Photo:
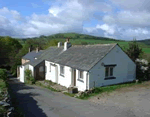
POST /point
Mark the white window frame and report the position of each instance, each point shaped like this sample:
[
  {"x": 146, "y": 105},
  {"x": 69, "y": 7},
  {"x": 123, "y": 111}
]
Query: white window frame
[
  {"x": 62, "y": 74},
  {"x": 80, "y": 75},
  {"x": 109, "y": 72}
]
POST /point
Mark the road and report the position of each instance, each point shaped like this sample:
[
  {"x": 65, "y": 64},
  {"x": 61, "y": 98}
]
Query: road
[{"x": 40, "y": 102}]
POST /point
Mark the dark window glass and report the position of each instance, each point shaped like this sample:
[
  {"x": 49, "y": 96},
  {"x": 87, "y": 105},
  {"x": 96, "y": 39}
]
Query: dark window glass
[
  {"x": 106, "y": 71},
  {"x": 81, "y": 74},
  {"x": 62, "y": 70},
  {"x": 111, "y": 71},
  {"x": 45, "y": 69}
]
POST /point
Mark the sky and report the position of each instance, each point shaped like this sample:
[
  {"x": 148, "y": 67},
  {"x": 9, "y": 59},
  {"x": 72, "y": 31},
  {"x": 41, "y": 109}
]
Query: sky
[{"x": 118, "y": 19}]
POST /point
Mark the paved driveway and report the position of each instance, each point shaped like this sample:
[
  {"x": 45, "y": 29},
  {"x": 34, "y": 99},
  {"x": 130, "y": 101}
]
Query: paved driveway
[{"x": 40, "y": 102}]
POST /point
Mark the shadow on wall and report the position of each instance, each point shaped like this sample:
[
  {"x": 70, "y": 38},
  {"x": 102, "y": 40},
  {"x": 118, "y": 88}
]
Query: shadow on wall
[{"x": 24, "y": 101}]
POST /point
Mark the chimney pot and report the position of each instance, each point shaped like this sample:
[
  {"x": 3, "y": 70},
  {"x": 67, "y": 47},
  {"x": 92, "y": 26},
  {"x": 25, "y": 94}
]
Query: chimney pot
[
  {"x": 59, "y": 44},
  {"x": 37, "y": 50},
  {"x": 29, "y": 49},
  {"x": 67, "y": 40}
]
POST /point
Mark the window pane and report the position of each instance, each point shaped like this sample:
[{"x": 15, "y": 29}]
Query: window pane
[
  {"x": 45, "y": 69},
  {"x": 106, "y": 71},
  {"x": 61, "y": 70},
  {"x": 111, "y": 71},
  {"x": 81, "y": 74},
  {"x": 41, "y": 69}
]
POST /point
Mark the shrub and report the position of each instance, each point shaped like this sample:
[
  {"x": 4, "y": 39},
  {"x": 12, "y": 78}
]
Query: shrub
[
  {"x": 96, "y": 90},
  {"x": 84, "y": 43},
  {"x": 3, "y": 74},
  {"x": 28, "y": 74},
  {"x": 29, "y": 79},
  {"x": 32, "y": 79},
  {"x": 142, "y": 70},
  {"x": 134, "y": 51}
]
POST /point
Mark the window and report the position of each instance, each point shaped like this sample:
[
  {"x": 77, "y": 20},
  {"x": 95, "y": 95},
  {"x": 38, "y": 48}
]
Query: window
[
  {"x": 41, "y": 69},
  {"x": 45, "y": 69},
  {"x": 81, "y": 74},
  {"x": 50, "y": 67},
  {"x": 108, "y": 71},
  {"x": 62, "y": 70}
]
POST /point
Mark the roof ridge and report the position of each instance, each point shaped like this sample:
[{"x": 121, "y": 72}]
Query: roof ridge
[{"x": 94, "y": 45}]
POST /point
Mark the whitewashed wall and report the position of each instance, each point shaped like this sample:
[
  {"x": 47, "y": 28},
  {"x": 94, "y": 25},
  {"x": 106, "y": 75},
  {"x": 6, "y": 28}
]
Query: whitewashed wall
[
  {"x": 22, "y": 74},
  {"x": 81, "y": 83},
  {"x": 68, "y": 76},
  {"x": 124, "y": 71},
  {"x": 66, "y": 79},
  {"x": 32, "y": 69},
  {"x": 52, "y": 75}
]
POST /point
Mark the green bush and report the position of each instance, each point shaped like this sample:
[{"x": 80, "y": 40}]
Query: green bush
[
  {"x": 32, "y": 79},
  {"x": 96, "y": 90},
  {"x": 3, "y": 74},
  {"x": 29, "y": 79},
  {"x": 142, "y": 70}
]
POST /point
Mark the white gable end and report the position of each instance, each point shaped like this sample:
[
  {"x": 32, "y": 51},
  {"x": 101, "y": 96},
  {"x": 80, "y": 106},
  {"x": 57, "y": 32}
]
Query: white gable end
[{"x": 124, "y": 71}]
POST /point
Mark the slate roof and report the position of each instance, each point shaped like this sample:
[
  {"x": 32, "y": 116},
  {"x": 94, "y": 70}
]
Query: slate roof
[
  {"x": 31, "y": 55},
  {"x": 48, "y": 53},
  {"x": 82, "y": 57}
]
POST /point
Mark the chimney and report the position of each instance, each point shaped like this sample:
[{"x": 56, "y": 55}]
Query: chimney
[
  {"x": 67, "y": 40},
  {"x": 59, "y": 44},
  {"x": 37, "y": 49},
  {"x": 67, "y": 44},
  {"x": 29, "y": 49}
]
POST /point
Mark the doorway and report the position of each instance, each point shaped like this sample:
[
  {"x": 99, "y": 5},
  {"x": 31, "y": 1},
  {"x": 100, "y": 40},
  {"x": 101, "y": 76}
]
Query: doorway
[{"x": 74, "y": 77}]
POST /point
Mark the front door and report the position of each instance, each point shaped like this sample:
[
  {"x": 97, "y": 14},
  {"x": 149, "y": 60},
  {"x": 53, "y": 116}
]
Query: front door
[{"x": 74, "y": 77}]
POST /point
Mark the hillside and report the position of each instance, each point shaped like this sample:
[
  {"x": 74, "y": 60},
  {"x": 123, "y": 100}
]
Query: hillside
[
  {"x": 145, "y": 41},
  {"x": 84, "y": 39}
]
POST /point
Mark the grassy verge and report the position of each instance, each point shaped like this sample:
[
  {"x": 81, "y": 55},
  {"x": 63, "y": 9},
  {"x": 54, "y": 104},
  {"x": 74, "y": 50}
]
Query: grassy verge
[
  {"x": 69, "y": 94},
  {"x": 37, "y": 83},
  {"x": 3, "y": 89},
  {"x": 106, "y": 89}
]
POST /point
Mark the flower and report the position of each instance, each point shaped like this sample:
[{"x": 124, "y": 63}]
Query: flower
[
  {"x": 143, "y": 61},
  {"x": 144, "y": 68}
]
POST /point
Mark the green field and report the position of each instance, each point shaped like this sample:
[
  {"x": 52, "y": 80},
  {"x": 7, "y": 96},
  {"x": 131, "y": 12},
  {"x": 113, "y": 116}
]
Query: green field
[
  {"x": 82, "y": 39},
  {"x": 123, "y": 44}
]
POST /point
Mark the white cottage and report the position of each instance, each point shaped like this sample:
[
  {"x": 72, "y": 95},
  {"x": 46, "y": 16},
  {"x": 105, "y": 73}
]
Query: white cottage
[
  {"x": 82, "y": 66},
  {"x": 90, "y": 66}
]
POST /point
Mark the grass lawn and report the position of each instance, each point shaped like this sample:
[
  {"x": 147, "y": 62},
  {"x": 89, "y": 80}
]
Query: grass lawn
[{"x": 106, "y": 89}]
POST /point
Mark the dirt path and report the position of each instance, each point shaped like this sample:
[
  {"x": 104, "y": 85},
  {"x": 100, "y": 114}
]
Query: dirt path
[
  {"x": 136, "y": 98},
  {"x": 40, "y": 102}
]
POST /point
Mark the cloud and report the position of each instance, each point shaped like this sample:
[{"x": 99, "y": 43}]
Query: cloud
[
  {"x": 114, "y": 18},
  {"x": 133, "y": 5},
  {"x": 129, "y": 18},
  {"x": 10, "y": 14},
  {"x": 107, "y": 28},
  {"x": 63, "y": 17}
]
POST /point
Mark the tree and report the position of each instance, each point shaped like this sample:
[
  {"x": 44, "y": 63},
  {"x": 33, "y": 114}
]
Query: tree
[
  {"x": 51, "y": 43},
  {"x": 134, "y": 51}
]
